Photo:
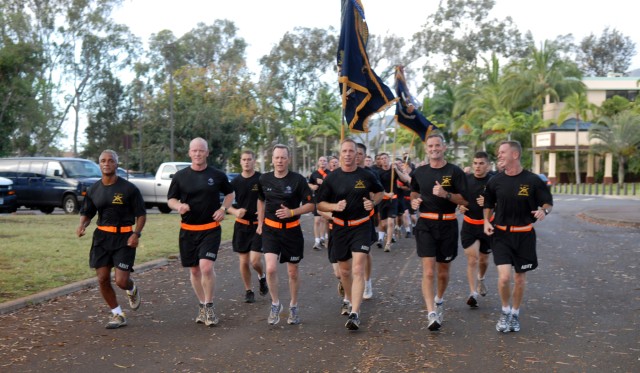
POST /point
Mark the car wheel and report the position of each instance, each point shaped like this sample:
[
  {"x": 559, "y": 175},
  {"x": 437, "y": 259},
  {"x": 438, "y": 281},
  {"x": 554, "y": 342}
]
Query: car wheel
[
  {"x": 70, "y": 204},
  {"x": 165, "y": 209},
  {"x": 47, "y": 209}
]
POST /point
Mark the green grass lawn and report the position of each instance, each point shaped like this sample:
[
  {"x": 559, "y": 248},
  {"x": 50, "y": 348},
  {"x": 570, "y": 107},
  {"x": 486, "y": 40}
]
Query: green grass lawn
[{"x": 40, "y": 252}]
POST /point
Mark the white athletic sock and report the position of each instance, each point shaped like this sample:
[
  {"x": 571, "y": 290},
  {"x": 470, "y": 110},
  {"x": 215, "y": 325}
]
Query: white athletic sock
[
  {"x": 317, "y": 240},
  {"x": 117, "y": 311},
  {"x": 506, "y": 310},
  {"x": 438, "y": 300},
  {"x": 380, "y": 236},
  {"x": 133, "y": 289},
  {"x": 368, "y": 282},
  {"x": 293, "y": 305},
  {"x": 515, "y": 311}
]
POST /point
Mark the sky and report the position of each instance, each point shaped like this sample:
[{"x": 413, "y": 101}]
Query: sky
[{"x": 262, "y": 23}]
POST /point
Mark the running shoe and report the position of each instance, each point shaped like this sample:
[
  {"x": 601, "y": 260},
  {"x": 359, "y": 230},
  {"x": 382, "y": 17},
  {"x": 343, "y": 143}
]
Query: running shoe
[
  {"x": 322, "y": 242},
  {"x": 117, "y": 321},
  {"x": 317, "y": 246},
  {"x": 514, "y": 323},
  {"x": 249, "y": 297},
  {"x": 472, "y": 301},
  {"x": 408, "y": 234},
  {"x": 434, "y": 323},
  {"x": 481, "y": 288},
  {"x": 340, "y": 289},
  {"x": 387, "y": 247},
  {"x": 134, "y": 297},
  {"x": 264, "y": 288},
  {"x": 210, "y": 318},
  {"x": 393, "y": 239},
  {"x": 201, "y": 315},
  {"x": 353, "y": 323},
  {"x": 274, "y": 314},
  {"x": 440, "y": 311},
  {"x": 294, "y": 318},
  {"x": 346, "y": 308},
  {"x": 379, "y": 243},
  {"x": 503, "y": 323},
  {"x": 368, "y": 290}
]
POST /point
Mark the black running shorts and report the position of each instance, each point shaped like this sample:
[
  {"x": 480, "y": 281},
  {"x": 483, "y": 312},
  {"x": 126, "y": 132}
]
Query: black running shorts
[
  {"x": 472, "y": 232},
  {"x": 437, "y": 238},
  {"x": 246, "y": 239},
  {"x": 196, "y": 245},
  {"x": 345, "y": 240},
  {"x": 388, "y": 208},
  {"x": 288, "y": 244},
  {"x": 515, "y": 248},
  {"x": 111, "y": 250}
]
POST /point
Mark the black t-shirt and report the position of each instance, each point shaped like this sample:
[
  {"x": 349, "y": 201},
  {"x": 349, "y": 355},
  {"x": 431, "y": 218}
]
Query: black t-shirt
[
  {"x": 247, "y": 194},
  {"x": 352, "y": 187},
  {"x": 290, "y": 191},
  {"x": 117, "y": 205},
  {"x": 201, "y": 191},
  {"x": 514, "y": 197},
  {"x": 385, "y": 180},
  {"x": 318, "y": 174},
  {"x": 451, "y": 178},
  {"x": 475, "y": 188}
]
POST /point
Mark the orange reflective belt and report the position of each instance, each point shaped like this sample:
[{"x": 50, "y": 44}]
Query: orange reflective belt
[
  {"x": 111, "y": 229},
  {"x": 436, "y": 216},
  {"x": 351, "y": 223},
  {"x": 515, "y": 228},
  {"x": 475, "y": 221},
  {"x": 394, "y": 197},
  {"x": 275, "y": 224},
  {"x": 408, "y": 198},
  {"x": 199, "y": 227},
  {"x": 245, "y": 222}
]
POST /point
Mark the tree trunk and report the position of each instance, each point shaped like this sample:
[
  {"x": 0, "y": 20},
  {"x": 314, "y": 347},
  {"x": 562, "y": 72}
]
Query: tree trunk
[
  {"x": 621, "y": 162},
  {"x": 576, "y": 152}
]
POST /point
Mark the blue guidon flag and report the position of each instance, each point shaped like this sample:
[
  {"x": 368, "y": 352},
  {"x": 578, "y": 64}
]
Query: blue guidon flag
[
  {"x": 363, "y": 93},
  {"x": 407, "y": 113}
]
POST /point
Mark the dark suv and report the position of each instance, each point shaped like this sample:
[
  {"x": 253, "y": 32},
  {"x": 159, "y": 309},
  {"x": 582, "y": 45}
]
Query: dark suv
[{"x": 45, "y": 183}]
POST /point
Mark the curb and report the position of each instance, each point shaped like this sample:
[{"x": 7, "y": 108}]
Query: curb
[
  {"x": 46, "y": 295},
  {"x": 611, "y": 222}
]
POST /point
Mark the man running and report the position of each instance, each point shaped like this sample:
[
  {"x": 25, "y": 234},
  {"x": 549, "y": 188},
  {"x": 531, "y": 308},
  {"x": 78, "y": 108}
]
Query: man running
[
  {"x": 519, "y": 198},
  {"x": 119, "y": 206},
  {"x": 195, "y": 193},
  {"x": 283, "y": 196},
  {"x": 436, "y": 190},
  {"x": 350, "y": 193},
  {"x": 320, "y": 224},
  {"x": 246, "y": 242},
  {"x": 475, "y": 242}
]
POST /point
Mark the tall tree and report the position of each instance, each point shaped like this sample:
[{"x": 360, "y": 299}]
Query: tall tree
[
  {"x": 579, "y": 106},
  {"x": 610, "y": 53},
  {"x": 459, "y": 33},
  {"x": 294, "y": 69},
  {"x": 618, "y": 135}
]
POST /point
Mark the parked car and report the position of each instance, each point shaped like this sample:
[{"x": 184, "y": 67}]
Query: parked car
[
  {"x": 121, "y": 172},
  {"x": 45, "y": 183},
  {"x": 7, "y": 196},
  {"x": 154, "y": 190}
]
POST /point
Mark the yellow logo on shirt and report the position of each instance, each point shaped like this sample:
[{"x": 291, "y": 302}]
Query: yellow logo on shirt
[
  {"x": 446, "y": 181},
  {"x": 118, "y": 199},
  {"x": 254, "y": 188},
  {"x": 524, "y": 191},
  {"x": 360, "y": 185}
]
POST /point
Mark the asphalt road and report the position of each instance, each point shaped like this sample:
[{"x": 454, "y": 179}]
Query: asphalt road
[{"x": 580, "y": 314}]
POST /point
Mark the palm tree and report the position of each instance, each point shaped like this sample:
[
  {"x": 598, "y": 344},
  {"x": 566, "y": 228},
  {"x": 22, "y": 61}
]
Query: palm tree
[
  {"x": 579, "y": 106},
  {"x": 618, "y": 135},
  {"x": 542, "y": 77}
]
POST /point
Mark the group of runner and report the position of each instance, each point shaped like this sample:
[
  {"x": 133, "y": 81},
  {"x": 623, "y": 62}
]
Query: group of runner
[{"x": 358, "y": 205}]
